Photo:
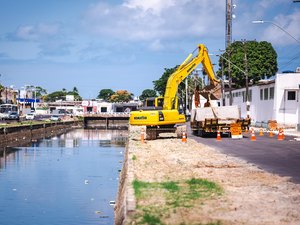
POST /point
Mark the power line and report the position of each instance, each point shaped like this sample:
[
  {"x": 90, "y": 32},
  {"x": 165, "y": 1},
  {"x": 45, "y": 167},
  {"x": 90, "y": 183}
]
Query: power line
[{"x": 289, "y": 62}]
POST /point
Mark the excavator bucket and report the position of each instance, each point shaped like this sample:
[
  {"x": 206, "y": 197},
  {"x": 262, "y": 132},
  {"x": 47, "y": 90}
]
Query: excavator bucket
[{"x": 211, "y": 92}]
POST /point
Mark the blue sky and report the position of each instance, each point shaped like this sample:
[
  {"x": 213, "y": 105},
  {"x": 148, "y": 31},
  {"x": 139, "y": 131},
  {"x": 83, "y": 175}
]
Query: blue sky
[{"x": 126, "y": 44}]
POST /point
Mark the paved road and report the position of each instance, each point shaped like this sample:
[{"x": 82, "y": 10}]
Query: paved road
[{"x": 280, "y": 157}]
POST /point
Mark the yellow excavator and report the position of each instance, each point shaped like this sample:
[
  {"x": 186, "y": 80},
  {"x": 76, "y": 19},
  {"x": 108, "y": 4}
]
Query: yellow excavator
[{"x": 167, "y": 118}]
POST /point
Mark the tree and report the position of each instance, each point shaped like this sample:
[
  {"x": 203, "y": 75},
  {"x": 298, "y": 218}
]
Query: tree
[
  {"x": 61, "y": 95},
  {"x": 1, "y": 89},
  {"x": 161, "y": 83},
  {"x": 261, "y": 61},
  {"x": 105, "y": 94},
  {"x": 40, "y": 92},
  {"x": 54, "y": 96},
  {"x": 75, "y": 92},
  {"x": 121, "y": 96},
  {"x": 193, "y": 81},
  {"x": 147, "y": 93}
]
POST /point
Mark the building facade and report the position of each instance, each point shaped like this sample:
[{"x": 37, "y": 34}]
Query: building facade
[{"x": 275, "y": 99}]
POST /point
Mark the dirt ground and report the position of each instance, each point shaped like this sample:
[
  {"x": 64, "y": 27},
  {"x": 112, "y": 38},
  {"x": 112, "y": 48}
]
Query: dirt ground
[{"x": 250, "y": 195}]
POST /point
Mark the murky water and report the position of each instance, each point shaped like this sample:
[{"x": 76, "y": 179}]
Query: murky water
[{"x": 66, "y": 180}]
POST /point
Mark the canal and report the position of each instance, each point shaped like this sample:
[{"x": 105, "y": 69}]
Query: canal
[{"x": 65, "y": 180}]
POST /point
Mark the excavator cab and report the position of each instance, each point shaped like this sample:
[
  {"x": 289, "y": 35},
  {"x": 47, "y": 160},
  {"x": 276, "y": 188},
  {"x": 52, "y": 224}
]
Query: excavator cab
[{"x": 157, "y": 103}]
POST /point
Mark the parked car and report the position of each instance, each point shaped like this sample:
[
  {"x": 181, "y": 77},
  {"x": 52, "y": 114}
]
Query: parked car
[
  {"x": 55, "y": 118},
  {"x": 29, "y": 116},
  {"x": 13, "y": 116}
]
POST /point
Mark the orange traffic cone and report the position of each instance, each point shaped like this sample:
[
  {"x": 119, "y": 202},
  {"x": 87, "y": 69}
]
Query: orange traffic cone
[
  {"x": 280, "y": 135},
  {"x": 143, "y": 135},
  {"x": 218, "y": 136},
  {"x": 253, "y": 138},
  {"x": 183, "y": 137},
  {"x": 271, "y": 133},
  {"x": 261, "y": 133},
  {"x": 246, "y": 131}
]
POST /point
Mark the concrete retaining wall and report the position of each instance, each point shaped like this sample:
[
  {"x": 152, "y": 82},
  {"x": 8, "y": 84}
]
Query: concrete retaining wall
[
  {"x": 24, "y": 134},
  {"x": 126, "y": 202}
]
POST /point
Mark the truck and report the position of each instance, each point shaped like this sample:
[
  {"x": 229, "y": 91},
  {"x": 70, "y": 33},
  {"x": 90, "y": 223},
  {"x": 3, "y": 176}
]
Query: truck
[
  {"x": 224, "y": 119},
  {"x": 165, "y": 116}
]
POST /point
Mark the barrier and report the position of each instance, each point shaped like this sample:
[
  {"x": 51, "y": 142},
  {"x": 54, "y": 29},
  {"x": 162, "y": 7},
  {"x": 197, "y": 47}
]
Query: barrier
[
  {"x": 280, "y": 135},
  {"x": 184, "y": 139},
  {"x": 218, "y": 136},
  {"x": 253, "y": 138}
]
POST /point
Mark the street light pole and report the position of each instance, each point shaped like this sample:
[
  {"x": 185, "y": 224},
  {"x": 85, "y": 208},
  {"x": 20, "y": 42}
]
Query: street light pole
[{"x": 265, "y": 21}]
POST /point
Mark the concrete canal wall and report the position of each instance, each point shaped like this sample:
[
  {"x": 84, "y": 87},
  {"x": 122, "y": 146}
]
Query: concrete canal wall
[
  {"x": 21, "y": 135},
  {"x": 126, "y": 202}
]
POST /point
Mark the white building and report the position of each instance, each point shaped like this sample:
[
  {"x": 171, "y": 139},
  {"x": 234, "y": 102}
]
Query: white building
[{"x": 276, "y": 99}]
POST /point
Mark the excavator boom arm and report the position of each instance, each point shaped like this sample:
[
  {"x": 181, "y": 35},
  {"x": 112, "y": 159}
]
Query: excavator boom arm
[{"x": 184, "y": 70}]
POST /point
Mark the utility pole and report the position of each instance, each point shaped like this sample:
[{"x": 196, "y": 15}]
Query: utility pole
[
  {"x": 223, "y": 85},
  {"x": 228, "y": 18},
  {"x": 246, "y": 78},
  {"x": 228, "y": 38}
]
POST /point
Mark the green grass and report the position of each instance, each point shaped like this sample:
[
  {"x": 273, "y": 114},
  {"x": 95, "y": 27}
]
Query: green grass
[
  {"x": 150, "y": 219},
  {"x": 134, "y": 157},
  {"x": 171, "y": 195},
  {"x": 170, "y": 186}
]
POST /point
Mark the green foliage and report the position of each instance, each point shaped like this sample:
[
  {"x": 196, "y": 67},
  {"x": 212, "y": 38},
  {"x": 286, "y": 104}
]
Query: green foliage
[
  {"x": 261, "y": 61},
  {"x": 1, "y": 89},
  {"x": 134, "y": 157},
  {"x": 54, "y": 96},
  {"x": 40, "y": 92},
  {"x": 147, "y": 93},
  {"x": 193, "y": 81},
  {"x": 61, "y": 95},
  {"x": 161, "y": 83},
  {"x": 121, "y": 96},
  {"x": 77, "y": 97},
  {"x": 105, "y": 94}
]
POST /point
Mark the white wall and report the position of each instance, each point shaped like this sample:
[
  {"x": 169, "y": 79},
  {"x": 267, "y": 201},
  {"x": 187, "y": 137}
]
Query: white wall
[{"x": 287, "y": 110}]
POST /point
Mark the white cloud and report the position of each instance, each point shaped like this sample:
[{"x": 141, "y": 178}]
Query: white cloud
[
  {"x": 137, "y": 20},
  {"x": 36, "y": 32},
  {"x": 286, "y": 32},
  {"x": 156, "y": 6}
]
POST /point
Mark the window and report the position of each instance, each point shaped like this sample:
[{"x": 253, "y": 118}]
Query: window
[
  {"x": 266, "y": 93},
  {"x": 291, "y": 95},
  {"x": 261, "y": 94},
  {"x": 103, "y": 109},
  {"x": 271, "y": 92}
]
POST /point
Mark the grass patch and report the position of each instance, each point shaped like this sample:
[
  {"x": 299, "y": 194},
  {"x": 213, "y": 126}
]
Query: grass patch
[
  {"x": 156, "y": 201},
  {"x": 150, "y": 219},
  {"x": 134, "y": 157},
  {"x": 170, "y": 186}
]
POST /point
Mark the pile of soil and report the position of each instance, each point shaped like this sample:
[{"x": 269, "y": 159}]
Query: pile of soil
[{"x": 250, "y": 195}]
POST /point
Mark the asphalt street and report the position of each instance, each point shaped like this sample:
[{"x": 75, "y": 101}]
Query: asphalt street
[{"x": 269, "y": 154}]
